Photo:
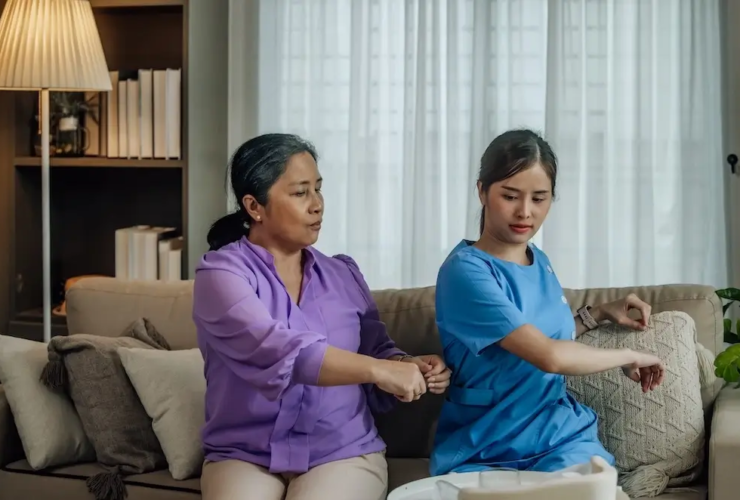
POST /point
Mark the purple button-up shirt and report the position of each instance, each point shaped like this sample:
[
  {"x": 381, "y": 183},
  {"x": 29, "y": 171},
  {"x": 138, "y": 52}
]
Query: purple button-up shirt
[{"x": 263, "y": 354}]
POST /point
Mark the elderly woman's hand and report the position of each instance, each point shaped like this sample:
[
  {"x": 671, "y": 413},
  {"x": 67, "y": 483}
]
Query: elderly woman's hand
[{"x": 435, "y": 372}]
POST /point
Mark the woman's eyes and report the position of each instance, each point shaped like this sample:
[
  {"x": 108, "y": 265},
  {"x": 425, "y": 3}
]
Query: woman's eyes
[
  {"x": 511, "y": 198},
  {"x": 303, "y": 193}
]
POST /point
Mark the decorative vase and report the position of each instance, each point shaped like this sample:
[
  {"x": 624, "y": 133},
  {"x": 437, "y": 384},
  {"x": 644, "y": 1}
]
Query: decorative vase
[{"x": 71, "y": 138}]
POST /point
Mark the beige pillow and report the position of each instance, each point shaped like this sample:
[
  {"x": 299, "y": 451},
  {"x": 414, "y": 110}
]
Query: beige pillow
[
  {"x": 171, "y": 386},
  {"x": 48, "y": 425},
  {"x": 657, "y": 438}
]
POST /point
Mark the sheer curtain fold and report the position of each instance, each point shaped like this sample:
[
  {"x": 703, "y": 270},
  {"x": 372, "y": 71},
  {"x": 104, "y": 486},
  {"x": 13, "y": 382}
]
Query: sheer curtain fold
[{"x": 402, "y": 97}]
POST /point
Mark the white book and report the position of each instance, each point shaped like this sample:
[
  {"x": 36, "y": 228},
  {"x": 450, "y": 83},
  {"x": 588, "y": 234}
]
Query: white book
[
  {"x": 159, "y": 93},
  {"x": 133, "y": 119},
  {"x": 122, "y": 120},
  {"x": 146, "y": 125},
  {"x": 173, "y": 112},
  {"x": 174, "y": 265},
  {"x": 112, "y": 117},
  {"x": 146, "y": 251},
  {"x": 170, "y": 259},
  {"x": 122, "y": 249}
]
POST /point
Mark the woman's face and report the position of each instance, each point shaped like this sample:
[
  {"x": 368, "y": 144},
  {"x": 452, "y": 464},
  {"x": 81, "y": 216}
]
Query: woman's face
[
  {"x": 516, "y": 207},
  {"x": 295, "y": 205}
]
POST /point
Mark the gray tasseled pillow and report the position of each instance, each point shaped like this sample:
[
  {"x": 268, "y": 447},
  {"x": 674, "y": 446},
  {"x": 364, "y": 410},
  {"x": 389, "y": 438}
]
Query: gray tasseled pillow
[{"x": 89, "y": 369}]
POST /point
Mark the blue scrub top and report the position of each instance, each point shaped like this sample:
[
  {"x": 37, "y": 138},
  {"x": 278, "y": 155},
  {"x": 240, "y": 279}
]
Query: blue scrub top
[{"x": 501, "y": 411}]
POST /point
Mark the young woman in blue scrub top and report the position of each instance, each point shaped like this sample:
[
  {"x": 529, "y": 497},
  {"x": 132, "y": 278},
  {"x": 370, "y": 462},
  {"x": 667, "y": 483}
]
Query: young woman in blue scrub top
[{"x": 508, "y": 332}]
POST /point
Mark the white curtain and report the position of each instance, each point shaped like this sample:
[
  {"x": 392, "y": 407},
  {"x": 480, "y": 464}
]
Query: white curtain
[{"x": 402, "y": 97}]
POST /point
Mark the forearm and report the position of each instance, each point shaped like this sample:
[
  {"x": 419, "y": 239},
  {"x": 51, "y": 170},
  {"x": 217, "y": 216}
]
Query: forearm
[
  {"x": 341, "y": 367},
  {"x": 573, "y": 358},
  {"x": 563, "y": 356}
]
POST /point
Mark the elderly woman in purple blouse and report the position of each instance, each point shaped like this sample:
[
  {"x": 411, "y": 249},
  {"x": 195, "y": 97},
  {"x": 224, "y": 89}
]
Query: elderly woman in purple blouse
[{"x": 296, "y": 356}]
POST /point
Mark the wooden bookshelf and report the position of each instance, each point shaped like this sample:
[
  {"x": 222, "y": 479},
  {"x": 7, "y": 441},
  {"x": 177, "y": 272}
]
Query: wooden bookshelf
[
  {"x": 87, "y": 162},
  {"x": 90, "y": 196}
]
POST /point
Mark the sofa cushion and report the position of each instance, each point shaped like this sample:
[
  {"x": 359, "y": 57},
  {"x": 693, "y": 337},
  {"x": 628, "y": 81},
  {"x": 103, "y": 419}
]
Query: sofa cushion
[
  {"x": 405, "y": 470},
  {"x": 106, "y": 306},
  {"x": 63, "y": 483},
  {"x": 657, "y": 438},
  {"x": 50, "y": 430},
  {"x": 109, "y": 408},
  {"x": 11, "y": 448},
  {"x": 409, "y": 428},
  {"x": 171, "y": 386}
]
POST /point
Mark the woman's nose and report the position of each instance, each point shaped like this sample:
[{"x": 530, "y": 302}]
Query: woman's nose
[
  {"x": 524, "y": 211},
  {"x": 317, "y": 206}
]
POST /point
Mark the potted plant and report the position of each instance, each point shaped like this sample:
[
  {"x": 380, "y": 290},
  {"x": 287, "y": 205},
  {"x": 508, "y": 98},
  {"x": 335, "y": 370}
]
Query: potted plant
[
  {"x": 727, "y": 363},
  {"x": 68, "y": 108}
]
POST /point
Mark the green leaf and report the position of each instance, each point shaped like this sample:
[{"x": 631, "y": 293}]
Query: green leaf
[
  {"x": 726, "y": 307},
  {"x": 729, "y": 293},
  {"x": 728, "y": 325},
  {"x": 727, "y": 364},
  {"x": 730, "y": 338},
  {"x": 731, "y": 374}
]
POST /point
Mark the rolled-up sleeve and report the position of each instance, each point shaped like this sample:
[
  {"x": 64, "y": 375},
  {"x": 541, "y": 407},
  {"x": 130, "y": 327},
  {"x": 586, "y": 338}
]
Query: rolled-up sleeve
[
  {"x": 233, "y": 323},
  {"x": 374, "y": 339},
  {"x": 472, "y": 306}
]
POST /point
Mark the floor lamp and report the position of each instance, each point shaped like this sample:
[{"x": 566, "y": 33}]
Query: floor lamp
[{"x": 50, "y": 45}]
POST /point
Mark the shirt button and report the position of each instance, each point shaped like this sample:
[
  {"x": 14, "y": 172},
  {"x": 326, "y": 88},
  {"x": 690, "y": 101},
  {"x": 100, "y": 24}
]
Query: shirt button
[
  {"x": 549, "y": 269},
  {"x": 565, "y": 301}
]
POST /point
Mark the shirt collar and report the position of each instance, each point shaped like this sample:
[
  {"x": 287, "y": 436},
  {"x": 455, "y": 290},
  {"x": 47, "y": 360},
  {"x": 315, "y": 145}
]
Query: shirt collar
[{"x": 261, "y": 252}]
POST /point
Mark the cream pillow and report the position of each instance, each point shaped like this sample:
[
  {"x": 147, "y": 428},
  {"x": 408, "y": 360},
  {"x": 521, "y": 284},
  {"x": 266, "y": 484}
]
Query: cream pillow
[
  {"x": 657, "y": 438},
  {"x": 171, "y": 386},
  {"x": 48, "y": 425}
]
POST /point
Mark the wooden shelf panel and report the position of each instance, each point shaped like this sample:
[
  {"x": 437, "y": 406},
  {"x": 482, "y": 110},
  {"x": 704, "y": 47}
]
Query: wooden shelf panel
[
  {"x": 135, "y": 3},
  {"x": 93, "y": 161},
  {"x": 86, "y": 208},
  {"x": 37, "y": 316}
]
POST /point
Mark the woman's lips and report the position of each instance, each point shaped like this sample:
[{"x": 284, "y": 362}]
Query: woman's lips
[{"x": 520, "y": 229}]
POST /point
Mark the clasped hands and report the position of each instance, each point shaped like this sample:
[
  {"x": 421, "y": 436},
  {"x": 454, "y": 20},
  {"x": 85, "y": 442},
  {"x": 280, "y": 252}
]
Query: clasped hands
[
  {"x": 646, "y": 369},
  {"x": 411, "y": 377}
]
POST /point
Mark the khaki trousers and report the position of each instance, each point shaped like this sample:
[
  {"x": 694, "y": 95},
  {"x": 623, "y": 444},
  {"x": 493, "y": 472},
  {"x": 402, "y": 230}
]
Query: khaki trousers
[{"x": 360, "y": 478}]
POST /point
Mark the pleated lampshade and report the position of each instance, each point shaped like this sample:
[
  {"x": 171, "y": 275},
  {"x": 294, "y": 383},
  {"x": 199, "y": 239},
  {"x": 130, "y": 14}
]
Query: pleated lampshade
[{"x": 51, "y": 44}]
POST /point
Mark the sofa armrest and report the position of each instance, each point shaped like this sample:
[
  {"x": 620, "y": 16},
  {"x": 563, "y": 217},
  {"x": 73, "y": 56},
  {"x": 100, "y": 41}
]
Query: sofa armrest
[
  {"x": 724, "y": 445},
  {"x": 11, "y": 449}
]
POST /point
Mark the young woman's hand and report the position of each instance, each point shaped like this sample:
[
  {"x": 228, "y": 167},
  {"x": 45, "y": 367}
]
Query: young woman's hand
[
  {"x": 646, "y": 369},
  {"x": 403, "y": 380},
  {"x": 435, "y": 372},
  {"x": 616, "y": 312}
]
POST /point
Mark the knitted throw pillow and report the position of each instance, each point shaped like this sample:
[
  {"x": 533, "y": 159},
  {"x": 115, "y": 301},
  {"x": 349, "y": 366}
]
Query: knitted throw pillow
[
  {"x": 657, "y": 438},
  {"x": 89, "y": 368}
]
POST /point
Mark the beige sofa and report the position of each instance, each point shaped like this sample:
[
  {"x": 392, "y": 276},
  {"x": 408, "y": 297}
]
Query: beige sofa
[{"x": 105, "y": 306}]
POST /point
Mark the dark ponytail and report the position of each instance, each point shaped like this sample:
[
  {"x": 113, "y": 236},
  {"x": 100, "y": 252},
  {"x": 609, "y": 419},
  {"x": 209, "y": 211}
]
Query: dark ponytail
[
  {"x": 227, "y": 229},
  {"x": 510, "y": 153},
  {"x": 255, "y": 166}
]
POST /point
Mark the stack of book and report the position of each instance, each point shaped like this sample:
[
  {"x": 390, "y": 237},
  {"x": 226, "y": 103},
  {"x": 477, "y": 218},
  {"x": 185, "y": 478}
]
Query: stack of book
[
  {"x": 149, "y": 253},
  {"x": 140, "y": 118}
]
